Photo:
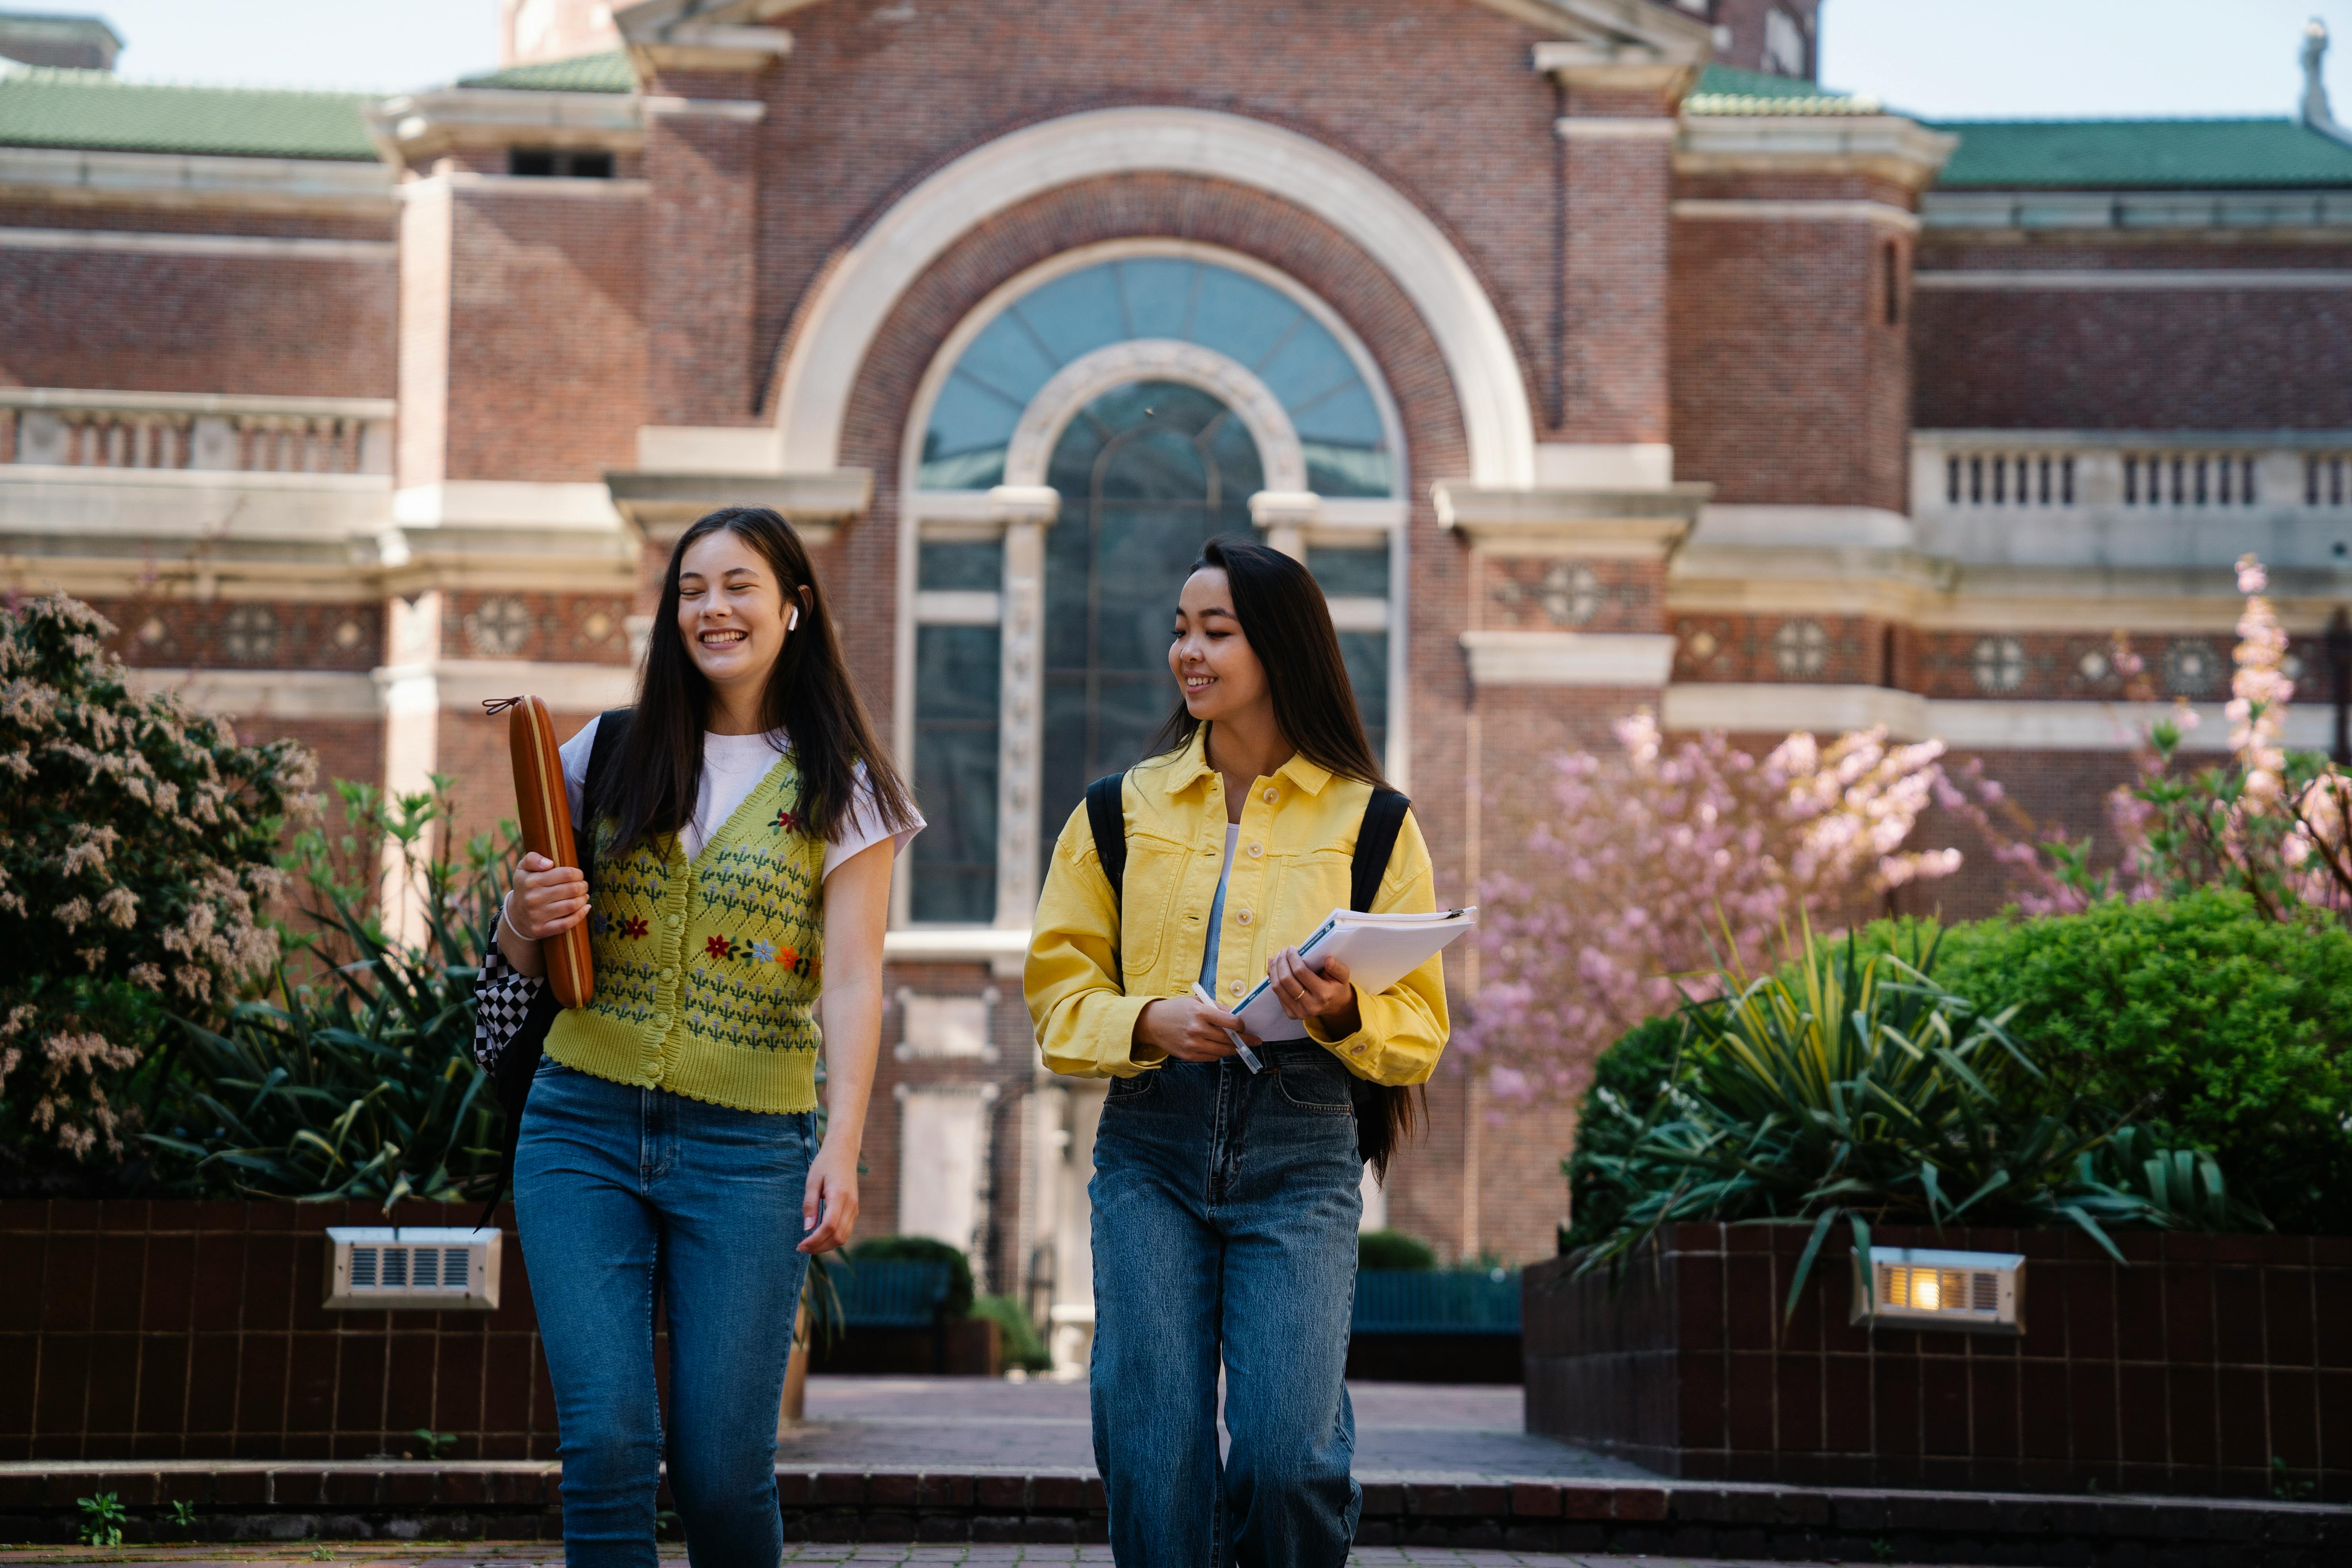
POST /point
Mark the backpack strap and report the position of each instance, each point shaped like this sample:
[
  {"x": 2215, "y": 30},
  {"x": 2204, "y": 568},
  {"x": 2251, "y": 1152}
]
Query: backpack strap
[
  {"x": 611, "y": 729},
  {"x": 1375, "y": 843},
  {"x": 1107, "y": 815}
]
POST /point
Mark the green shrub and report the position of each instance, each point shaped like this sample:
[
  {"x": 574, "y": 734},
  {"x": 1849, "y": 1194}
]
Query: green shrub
[
  {"x": 136, "y": 846},
  {"x": 923, "y": 1249},
  {"x": 1393, "y": 1249},
  {"x": 1017, "y": 1337},
  {"x": 1848, "y": 1085},
  {"x": 361, "y": 1083},
  {"x": 1626, "y": 1082},
  {"x": 2215, "y": 1028}
]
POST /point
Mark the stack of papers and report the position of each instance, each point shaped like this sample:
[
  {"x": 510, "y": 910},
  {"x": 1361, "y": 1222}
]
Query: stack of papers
[{"x": 1379, "y": 950}]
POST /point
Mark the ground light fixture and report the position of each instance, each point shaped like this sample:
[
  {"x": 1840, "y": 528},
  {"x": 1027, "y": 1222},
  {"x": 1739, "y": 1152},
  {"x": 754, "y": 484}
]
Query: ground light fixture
[
  {"x": 411, "y": 1269},
  {"x": 1923, "y": 1287}
]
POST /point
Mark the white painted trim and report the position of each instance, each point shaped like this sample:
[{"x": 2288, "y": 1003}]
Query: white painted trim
[
  {"x": 1569, "y": 659},
  {"x": 2135, "y": 279},
  {"x": 194, "y": 403},
  {"x": 1966, "y": 724},
  {"x": 1820, "y": 527},
  {"x": 505, "y": 503},
  {"x": 1363, "y": 514},
  {"x": 345, "y": 187},
  {"x": 1359, "y": 614},
  {"x": 474, "y": 183},
  {"x": 265, "y": 693},
  {"x": 859, "y": 293},
  {"x": 1615, "y": 128},
  {"x": 463, "y": 685},
  {"x": 274, "y": 247},
  {"x": 1884, "y": 213},
  {"x": 1031, "y": 450},
  {"x": 959, "y": 607},
  {"x": 741, "y": 111},
  {"x": 945, "y": 943}
]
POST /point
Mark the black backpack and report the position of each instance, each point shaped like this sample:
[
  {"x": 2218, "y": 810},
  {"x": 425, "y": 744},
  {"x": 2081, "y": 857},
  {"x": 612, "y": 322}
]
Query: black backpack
[{"x": 1376, "y": 1104}]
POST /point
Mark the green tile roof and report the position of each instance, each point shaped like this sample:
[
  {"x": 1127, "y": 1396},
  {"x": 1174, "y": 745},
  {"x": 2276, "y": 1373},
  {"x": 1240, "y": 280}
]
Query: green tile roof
[
  {"x": 99, "y": 110},
  {"x": 2112, "y": 155},
  {"x": 606, "y": 72},
  {"x": 1722, "y": 90}
]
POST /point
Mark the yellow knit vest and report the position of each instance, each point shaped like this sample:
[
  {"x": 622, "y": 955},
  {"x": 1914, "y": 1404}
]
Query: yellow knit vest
[{"x": 708, "y": 970}]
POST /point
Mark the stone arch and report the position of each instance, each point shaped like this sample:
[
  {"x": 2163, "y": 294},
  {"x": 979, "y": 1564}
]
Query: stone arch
[{"x": 846, "y": 321}]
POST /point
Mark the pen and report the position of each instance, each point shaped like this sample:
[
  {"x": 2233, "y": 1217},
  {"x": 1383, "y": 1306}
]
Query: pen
[{"x": 1249, "y": 1056}]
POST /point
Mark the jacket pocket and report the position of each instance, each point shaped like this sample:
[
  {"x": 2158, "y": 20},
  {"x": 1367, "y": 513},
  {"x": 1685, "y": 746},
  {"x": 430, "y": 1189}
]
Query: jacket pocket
[{"x": 1155, "y": 871}]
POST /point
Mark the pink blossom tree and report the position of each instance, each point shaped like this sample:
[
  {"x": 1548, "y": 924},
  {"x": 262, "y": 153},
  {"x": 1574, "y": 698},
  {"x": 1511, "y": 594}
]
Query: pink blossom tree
[{"x": 1642, "y": 872}]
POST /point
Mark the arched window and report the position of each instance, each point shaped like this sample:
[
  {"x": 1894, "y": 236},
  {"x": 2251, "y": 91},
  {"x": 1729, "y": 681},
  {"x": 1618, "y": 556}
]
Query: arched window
[{"x": 1174, "y": 298}]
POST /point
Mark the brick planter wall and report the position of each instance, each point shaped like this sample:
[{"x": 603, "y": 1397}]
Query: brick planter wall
[
  {"x": 166, "y": 1330},
  {"x": 2191, "y": 1371}
]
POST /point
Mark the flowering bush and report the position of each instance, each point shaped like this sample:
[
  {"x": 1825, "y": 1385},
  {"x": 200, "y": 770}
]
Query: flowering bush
[
  {"x": 1673, "y": 857},
  {"x": 135, "y": 863}
]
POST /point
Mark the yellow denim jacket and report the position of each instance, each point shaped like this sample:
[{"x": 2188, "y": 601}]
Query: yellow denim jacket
[{"x": 1291, "y": 869}]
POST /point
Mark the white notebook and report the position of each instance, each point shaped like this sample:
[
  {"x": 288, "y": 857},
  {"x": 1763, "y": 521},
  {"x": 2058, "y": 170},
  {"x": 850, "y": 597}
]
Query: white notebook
[{"x": 1379, "y": 950}]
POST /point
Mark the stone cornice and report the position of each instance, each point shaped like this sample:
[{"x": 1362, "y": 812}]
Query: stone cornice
[
  {"x": 1569, "y": 659},
  {"x": 817, "y": 504},
  {"x": 1886, "y": 146},
  {"x": 69, "y": 177},
  {"x": 1632, "y": 524},
  {"x": 417, "y": 125},
  {"x": 703, "y": 35}
]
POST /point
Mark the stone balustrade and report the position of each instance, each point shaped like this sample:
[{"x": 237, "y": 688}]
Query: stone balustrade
[{"x": 58, "y": 427}]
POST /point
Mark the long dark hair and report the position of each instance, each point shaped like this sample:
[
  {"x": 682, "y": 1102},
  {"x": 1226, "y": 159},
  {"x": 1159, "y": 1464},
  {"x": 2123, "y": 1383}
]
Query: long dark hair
[
  {"x": 658, "y": 772},
  {"x": 1288, "y": 625},
  {"x": 1282, "y": 612}
]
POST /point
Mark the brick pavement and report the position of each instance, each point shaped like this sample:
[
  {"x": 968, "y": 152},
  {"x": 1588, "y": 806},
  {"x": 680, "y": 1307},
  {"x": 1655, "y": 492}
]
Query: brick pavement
[
  {"x": 433, "y": 1554},
  {"x": 1425, "y": 1431}
]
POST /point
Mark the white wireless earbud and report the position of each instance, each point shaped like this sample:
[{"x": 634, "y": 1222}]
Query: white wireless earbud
[{"x": 793, "y": 621}]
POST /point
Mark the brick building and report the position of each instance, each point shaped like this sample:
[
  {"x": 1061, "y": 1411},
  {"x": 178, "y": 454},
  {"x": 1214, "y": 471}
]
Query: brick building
[{"x": 1590, "y": 352}]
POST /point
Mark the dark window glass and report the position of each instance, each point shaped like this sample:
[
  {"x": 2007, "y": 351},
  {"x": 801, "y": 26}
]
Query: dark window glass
[
  {"x": 1351, "y": 573},
  {"x": 592, "y": 165},
  {"x": 954, "y": 874},
  {"x": 530, "y": 161},
  {"x": 1147, "y": 473},
  {"x": 1366, "y": 657},
  {"x": 960, "y": 563},
  {"x": 546, "y": 162}
]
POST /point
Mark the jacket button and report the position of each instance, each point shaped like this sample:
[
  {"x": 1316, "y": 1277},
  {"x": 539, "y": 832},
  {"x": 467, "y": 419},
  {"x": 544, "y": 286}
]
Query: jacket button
[
  {"x": 1355, "y": 1050},
  {"x": 1272, "y": 794},
  {"x": 1236, "y": 987},
  {"x": 1257, "y": 850},
  {"x": 1244, "y": 916}
]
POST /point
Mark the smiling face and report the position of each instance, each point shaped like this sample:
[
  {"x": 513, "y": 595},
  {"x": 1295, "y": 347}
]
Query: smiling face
[
  {"x": 732, "y": 609},
  {"x": 1211, "y": 660}
]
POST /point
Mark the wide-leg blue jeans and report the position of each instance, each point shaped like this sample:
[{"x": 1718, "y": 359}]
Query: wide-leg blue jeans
[
  {"x": 1225, "y": 1207},
  {"x": 625, "y": 1196}
]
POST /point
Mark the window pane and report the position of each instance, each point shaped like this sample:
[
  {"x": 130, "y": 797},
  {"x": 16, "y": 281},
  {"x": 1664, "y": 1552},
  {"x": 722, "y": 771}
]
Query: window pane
[
  {"x": 1366, "y": 657},
  {"x": 954, "y": 872},
  {"x": 960, "y": 563},
  {"x": 1350, "y": 573}
]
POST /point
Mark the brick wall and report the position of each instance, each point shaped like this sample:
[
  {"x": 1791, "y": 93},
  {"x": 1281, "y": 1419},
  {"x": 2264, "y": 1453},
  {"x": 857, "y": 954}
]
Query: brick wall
[
  {"x": 1789, "y": 384},
  {"x": 289, "y": 326},
  {"x": 2202, "y": 359},
  {"x": 1437, "y": 96}
]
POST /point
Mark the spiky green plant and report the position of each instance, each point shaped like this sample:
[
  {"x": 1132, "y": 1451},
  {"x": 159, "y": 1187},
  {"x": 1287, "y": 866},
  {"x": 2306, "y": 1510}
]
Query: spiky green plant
[
  {"x": 358, "y": 1082},
  {"x": 1848, "y": 1085}
]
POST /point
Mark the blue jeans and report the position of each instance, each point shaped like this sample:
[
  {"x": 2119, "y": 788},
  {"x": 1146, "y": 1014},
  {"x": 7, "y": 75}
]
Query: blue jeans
[
  {"x": 625, "y": 1195},
  {"x": 1225, "y": 1207}
]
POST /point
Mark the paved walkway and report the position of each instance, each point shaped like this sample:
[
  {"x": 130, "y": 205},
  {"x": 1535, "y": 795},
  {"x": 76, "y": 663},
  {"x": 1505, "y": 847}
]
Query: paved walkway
[
  {"x": 423, "y": 1554},
  {"x": 1427, "y": 1431}
]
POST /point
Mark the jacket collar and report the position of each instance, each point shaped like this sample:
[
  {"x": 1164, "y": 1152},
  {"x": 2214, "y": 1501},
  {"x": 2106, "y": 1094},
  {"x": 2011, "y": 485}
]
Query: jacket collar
[{"x": 1191, "y": 765}]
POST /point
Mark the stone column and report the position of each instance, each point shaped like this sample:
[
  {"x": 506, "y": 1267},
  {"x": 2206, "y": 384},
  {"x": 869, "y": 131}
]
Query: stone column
[{"x": 1027, "y": 511}]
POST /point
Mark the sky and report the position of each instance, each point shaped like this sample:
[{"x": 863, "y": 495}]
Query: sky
[{"x": 1945, "y": 59}]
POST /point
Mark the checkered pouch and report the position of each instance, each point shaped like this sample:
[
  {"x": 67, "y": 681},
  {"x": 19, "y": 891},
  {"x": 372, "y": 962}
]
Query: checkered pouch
[{"x": 502, "y": 999}]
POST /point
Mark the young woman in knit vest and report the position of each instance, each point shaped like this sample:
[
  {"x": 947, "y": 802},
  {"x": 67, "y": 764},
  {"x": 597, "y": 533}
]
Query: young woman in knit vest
[
  {"x": 1226, "y": 1199},
  {"x": 742, "y": 844}
]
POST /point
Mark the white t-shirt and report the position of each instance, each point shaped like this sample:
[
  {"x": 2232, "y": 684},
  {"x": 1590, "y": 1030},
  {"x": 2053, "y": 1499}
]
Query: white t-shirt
[{"x": 732, "y": 767}]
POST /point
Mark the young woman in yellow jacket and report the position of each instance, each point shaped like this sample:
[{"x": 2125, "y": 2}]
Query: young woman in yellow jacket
[{"x": 1226, "y": 1200}]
